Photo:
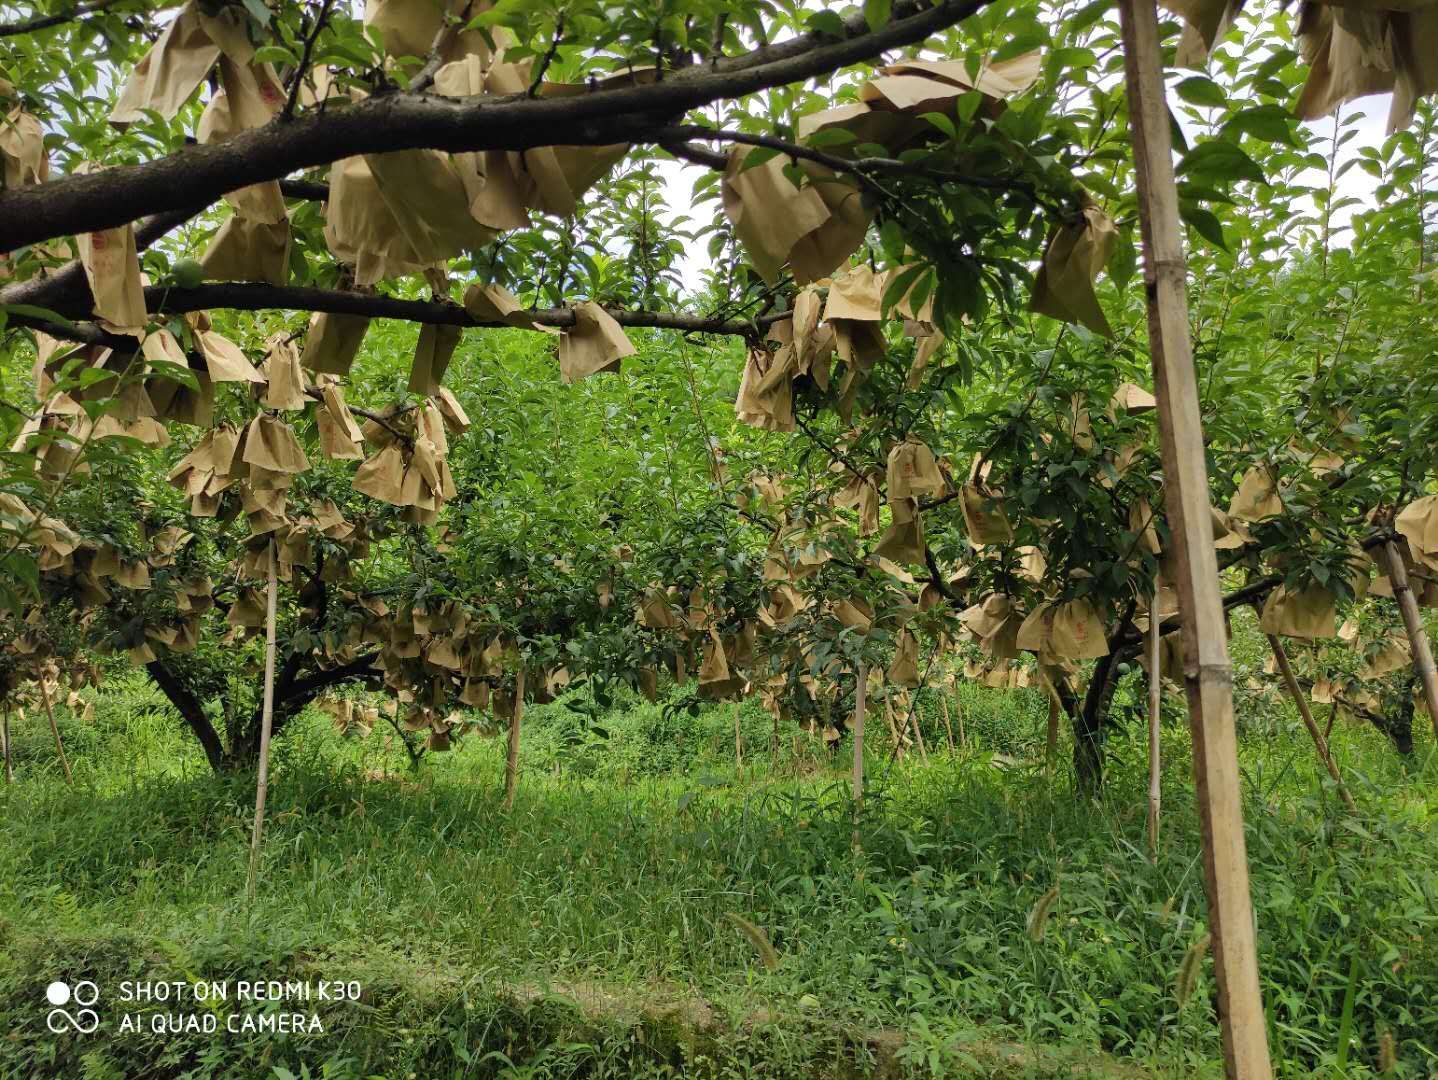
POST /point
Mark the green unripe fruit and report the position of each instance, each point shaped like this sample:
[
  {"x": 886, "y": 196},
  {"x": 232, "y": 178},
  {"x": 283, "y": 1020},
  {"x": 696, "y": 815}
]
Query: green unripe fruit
[
  {"x": 1124, "y": 669},
  {"x": 187, "y": 273}
]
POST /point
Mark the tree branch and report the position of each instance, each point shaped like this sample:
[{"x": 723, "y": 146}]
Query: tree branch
[
  {"x": 45, "y": 22},
  {"x": 190, "y": 710},
  {"x": 246, "y": 296},
  {"x": 401, "y": 121}
]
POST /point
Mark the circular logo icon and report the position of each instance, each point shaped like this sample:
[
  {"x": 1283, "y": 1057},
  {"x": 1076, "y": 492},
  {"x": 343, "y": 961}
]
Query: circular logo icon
[{"x": 84, "y": 994}]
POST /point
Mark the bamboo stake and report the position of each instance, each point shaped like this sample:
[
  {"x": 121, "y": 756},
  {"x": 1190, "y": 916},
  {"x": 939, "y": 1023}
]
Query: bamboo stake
[
  {"x": 912, "y": 723},
  {"x": 893, "y": 730},
  {"x": 1208, "y": 675},
  {"x": 1417, "y": 637},
  {"x": 511, "y": 761},
  {"x": 5, "y": 741},
  {"x": 1051, "y": 747},
  {"x": 948, "y": 725},
  {"x": 1319, "y": 742},
  {"x": 1155, "y": 728},
  {"x": 267, "y": 720},
  {"x": 55, "y": 731},
  {"x": 860, "y": 687},
  {"x": 738, "y": 742},
  {"x": 963, "y": 736}
]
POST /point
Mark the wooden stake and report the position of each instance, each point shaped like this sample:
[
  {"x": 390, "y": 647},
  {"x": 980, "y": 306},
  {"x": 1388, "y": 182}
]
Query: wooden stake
[
  {"x": 912, "y": 722},
  {"x": 5, "y": 742},
  {"x": 959, "y": 715},
  {"x": 55, "y": 731},
  {"x": 1320, "y": 743},
  {"x": 1417, "y": 637},
  {"x": 1208, "y": 674},
  {"x": 948, "y": 725},
  {"x": 511, "y": 761},
  {"x": 1155, "y": 728},
  {"x": 860, "y": 689},
  {"x": 1051, "y": 747},
  {"x": 267, "y": 720}
]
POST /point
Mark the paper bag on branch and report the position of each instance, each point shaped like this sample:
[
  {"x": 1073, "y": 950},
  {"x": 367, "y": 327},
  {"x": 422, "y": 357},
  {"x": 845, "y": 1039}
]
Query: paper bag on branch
[
  {"x": 1308, "y": 613},
  {"x": 340, "y": 436},
  {"x": 904, "y": 668},
  {"x": 285, "y": 382},
  {"x": 913, "y": 470},
  {"x": 495, "y": 304},
  {"x": 984, "y": 518},
  {"x": 1418, "y": 524},
  {"x": 596, "y": 343},
  {"x": 432, "y": 354},
  {"x": 1205, "y": 21},
  {"x": 1076, "y": 254},
  {"x": 771, "y": 409},
  {"x": 1257, "y": 496},
  {"x": 427, "y": 197},
  {"x": 1068, "y": 630},
  {"x": 23, "y": 157},
  {"x": 924, "y": 86},
  {"x": 271, "y": 444},
  {"x": 903, "y": 540},
  {"x": 818, "y": 253},
  {"x": 769, "y": 214},
  {"x": 224, "y": 362},
  {"x": 112, "y": 267},
  {"x": 170, "y": 73},
  {"x": 248, "y": 250},
  {"x": 333, "y": 341},
  {"x": 362, "y": 231},
  {"x": 1393, "y": 654},
  {"x": 1132, "y": 399}
]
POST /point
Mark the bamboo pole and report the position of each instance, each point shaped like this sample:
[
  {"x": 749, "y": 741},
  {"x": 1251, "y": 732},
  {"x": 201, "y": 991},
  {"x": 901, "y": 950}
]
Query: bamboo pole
[
  {"x": 948, "y": 724},
  {"x": 861, "y": 685},
  {"x": 1319, "y": 742},
  {"x": 511, "y": 760},
  {"x": 1155, "y": 727},
  {"x": 959, "y": 716},
  {"x": 1051, "y": 745},
  {"x": 738, "y": 742},
  {"x": 5, "y": 742},
  {"x": 912, "y": 724},
  {"x": 267, "y": 720},
  {"x": 1417, "y": 637},
  {"x": 1208, "y": 674},
  {"x": 55, "y": 731},
  {"x": 894, "y": 732}
]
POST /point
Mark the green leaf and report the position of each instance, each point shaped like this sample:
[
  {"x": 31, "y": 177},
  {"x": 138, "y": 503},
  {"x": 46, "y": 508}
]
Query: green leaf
[
  {"x": 826, "y": 22},
  {"x": 876, "y": 13},
  {"x": 831, "y": 136},
  {"x": 1271, "y": 123},
  {"x": 258, "y": 11},
  {"x": 1201, "y": 90},
  {"x": 1205, "y": 223},
  {"x": 943, "y": 122},
  {"x": 1223, "y": 160}
]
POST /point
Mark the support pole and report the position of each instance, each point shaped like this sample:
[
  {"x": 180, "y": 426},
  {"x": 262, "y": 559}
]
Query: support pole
[
  {"x": 267, "y": 720},
  {"x": 861, "y": 686},
  {"x": 511, "y": 761},
  {"x": 1155, "y": 727},
  {"x": 1417, "y": 637},
  {"x": 5, "y": 743},
  {"x": 55, "y": 731},
  {"x": 1320, "y": 743},
  {"x": 1208, "y": 672},
  {"x": 738, "y": 742},
  {"x": 1051, "y": 746},
  {"x": 948, "y": 724}
]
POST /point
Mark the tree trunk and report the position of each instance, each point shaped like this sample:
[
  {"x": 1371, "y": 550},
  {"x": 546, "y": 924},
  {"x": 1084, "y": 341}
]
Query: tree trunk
[
  {"x": 190, "y": 710},
  {"x": 1417, "y": 637},
  {"x": 511, "y": 761}
]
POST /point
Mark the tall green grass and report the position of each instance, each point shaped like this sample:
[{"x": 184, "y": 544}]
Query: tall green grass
[{"x": 591, "y": 932}]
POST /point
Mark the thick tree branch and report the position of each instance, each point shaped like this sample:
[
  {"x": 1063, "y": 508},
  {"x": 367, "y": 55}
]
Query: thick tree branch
[
  {"x": 45, "y": 22},
  {"x": 68, "y": 282},
  {"x": 190, "y": 710},
  {"x": 400, "y": 121},
  {"x": 245, "y": 296}
]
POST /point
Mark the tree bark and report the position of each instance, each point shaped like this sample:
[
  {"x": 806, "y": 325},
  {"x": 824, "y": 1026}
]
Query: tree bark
[
  {"x": 190, "y": 710},
  {"x": 199, "y": 174}
]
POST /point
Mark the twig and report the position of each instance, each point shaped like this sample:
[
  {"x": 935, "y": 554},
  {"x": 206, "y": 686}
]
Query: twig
[
  {"x": 548, "y": 56},
  {"x": 299, "y": 79}
]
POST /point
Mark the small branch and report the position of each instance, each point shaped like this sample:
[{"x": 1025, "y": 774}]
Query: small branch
[
  {"x": 548, "y": 56},
  {"x": 45, "y": 22},
  {"x": 299, "y": 79},
  {"x": 424, "y": 78}
]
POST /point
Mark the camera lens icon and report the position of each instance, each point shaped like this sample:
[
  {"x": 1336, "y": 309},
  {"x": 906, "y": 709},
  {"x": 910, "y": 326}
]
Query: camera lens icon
[{"x": 84, "y": 993}]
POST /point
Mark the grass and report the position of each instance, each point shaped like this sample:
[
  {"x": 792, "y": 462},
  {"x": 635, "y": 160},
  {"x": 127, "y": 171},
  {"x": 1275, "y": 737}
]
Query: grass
[{"x": 593, "y": 930}]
